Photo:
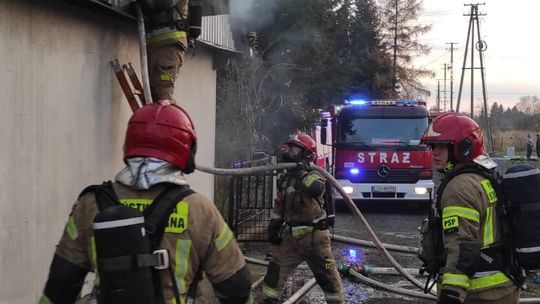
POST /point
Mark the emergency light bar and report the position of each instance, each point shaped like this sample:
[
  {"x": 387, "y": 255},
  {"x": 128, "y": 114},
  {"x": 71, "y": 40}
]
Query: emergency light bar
[{"x": 361, "y": 102}]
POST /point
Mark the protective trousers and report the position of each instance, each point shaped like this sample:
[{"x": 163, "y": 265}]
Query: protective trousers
[
  {"x": 164, "y": 62},
  {"x": 313, "y": 248},
  {"x": 508, "y": 294}
]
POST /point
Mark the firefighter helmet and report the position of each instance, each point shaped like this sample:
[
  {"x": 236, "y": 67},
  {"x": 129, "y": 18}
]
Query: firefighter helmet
[
  {"x": 307, "y": 145},
  {"x": 461, "y": 132},
  {"x": 162, "y": 130}
]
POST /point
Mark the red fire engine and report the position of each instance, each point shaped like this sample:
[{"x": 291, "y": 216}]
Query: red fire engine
[{"x": 373, "y": 149}]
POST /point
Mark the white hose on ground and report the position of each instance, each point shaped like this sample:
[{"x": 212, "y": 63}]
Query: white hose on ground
[
  {"x": 345, "y": 196},
  {"x": 265, "y": 263},
  {"x": 390, "y": 271},
  {"x": 363, "y": 220},
  {"x": 399, "y": 290},
  {"x": 257, "y": 283},
  {"x": 301, "y": 293},
  {"x": 391, "y": 247}
]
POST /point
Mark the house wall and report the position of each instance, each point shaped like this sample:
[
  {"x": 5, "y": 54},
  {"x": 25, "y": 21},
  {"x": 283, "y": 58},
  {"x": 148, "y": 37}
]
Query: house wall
[{"x": 62, "y": 122}]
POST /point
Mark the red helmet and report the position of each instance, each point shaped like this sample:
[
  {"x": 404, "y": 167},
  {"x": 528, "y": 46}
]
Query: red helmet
[
  {"x": 460, "y": 131},
  {"x": 305, "y": 142},
  {"x": 164, "y": 131}
]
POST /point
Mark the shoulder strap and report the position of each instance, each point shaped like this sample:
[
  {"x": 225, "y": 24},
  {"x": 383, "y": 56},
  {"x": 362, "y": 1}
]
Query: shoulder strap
[
  {"x": 157, "y": 214},
  {"x": 105, "y": 195},
  {"x": 156, "y": 218}
]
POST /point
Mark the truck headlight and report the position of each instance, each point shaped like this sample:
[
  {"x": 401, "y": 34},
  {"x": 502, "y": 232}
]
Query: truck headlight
[
  {"x": 348, "y": 190},
  {"x": 420, "y": 190}
]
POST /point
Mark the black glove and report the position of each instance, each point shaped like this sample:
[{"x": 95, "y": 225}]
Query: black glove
[
  {"x": 449, "y": 297},
  {"x": 274, "y": 231}
]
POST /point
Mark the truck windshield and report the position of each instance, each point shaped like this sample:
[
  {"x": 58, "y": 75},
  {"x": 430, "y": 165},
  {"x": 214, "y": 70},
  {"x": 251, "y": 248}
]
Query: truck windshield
[{"x": 382, "y": 131}]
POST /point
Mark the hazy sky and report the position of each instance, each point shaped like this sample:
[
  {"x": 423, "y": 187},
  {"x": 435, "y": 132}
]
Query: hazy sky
[{"x": 511, "y": 60}]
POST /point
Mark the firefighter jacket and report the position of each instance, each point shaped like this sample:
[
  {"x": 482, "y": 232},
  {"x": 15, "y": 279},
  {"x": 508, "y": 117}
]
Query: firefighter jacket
[
  {"x": 300, "y": 202},
  {"x": 196, "y": 237},
  {"x": 168, "y": 27},
  {"x": 470, "y": 235}
]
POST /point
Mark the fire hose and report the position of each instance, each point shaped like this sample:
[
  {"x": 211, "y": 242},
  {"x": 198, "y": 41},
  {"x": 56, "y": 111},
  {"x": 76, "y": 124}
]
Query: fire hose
[
  {"x": 347, "y": 199},
  {"x": 354, "y": 210}
]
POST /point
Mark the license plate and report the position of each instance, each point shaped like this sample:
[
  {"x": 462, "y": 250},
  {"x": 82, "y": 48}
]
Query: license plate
[{"x": 384, "y": 189}]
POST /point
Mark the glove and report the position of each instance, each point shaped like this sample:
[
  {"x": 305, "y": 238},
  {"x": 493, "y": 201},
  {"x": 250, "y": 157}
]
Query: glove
[
  {"x": 274, "y": 231},
  {"x": 449, "y": 297}
]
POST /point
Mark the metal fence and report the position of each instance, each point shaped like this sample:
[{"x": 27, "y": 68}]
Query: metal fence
[{"x": 250, "y": 202}]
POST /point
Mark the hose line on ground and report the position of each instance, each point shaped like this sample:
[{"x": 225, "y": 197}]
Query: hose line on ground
[
  {"x": 347, "y": 199},
  {"x": 391, "y": 247}
]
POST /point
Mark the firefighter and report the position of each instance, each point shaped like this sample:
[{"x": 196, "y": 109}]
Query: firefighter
[
  {"x": 468, "y": 234},
  {"x": 159, "y": 149},
  {"x": 174, "y": 25},
  {"x": 299, "y": 226}
]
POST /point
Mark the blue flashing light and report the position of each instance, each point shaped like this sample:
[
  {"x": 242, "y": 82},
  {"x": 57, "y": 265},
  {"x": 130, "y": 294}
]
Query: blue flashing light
[
  {"x": 358, "y": 102},
  {"x": 352, "y": 253},
  {"x": 354, "y": 171}
]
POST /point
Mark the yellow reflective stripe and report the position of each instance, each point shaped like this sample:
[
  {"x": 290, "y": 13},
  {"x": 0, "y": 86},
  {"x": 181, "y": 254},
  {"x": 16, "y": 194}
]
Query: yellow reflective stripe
[
  {"x": 182, "y": 300},
  {"x": 224, "y": 238},
  {"x": 44, "y": 300},
  {"x": 183, "y": 248},
  {"x": 490, "y": 191},
  {"x": 166, "y": 36},
  {"x": 488, "y": 228},
  {"x": 301, "y": 231},
  {"x": 270, "y": 292},
  {"x": 333, "y": 297},
  {"x": 456, "y": 280},
  {"x": 468, "y": 213},
  {"x": 71, "y": 228},
  {"x": 310, "y": 179},
  {"x": 489, "y": 281},
  {"x": 165, "y": 77},
  {"x": 93, "y": 258}
]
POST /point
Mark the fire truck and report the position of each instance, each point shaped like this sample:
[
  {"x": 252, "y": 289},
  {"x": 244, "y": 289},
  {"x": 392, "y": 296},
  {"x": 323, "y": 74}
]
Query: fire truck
[{"x": 373, "y": 149}]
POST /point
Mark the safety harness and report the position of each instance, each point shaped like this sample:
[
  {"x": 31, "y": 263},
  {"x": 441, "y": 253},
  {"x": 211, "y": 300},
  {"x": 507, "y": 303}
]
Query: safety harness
[{"x": 156, "y": 217}]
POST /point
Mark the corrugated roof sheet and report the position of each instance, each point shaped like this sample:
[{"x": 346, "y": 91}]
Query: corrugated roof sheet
[{"x": 216, "y": 31}]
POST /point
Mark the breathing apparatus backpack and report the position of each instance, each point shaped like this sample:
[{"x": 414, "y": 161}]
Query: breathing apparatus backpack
[
  {"x": 518, "y": 211},
  {"x": 127, "y": 242},
  {"x": 520, "y": 184}
]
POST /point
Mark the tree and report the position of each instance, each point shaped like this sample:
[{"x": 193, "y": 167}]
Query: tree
[
  {"x": 529, "y": 104},
  {"x": 400, "y": 40}
]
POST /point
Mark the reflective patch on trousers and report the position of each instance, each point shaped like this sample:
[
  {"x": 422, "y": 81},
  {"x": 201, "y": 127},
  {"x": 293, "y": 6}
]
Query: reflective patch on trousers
[{"x": 270, "y": 292}]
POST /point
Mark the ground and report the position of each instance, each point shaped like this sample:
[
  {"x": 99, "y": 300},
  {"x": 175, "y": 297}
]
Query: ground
[{"x": 394, "y": 224}]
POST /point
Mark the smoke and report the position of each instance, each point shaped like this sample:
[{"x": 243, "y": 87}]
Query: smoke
[{"x": 243, "y": 10}]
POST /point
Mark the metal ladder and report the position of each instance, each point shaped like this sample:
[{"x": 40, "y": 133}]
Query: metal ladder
[{"x": 131, "y": 86}]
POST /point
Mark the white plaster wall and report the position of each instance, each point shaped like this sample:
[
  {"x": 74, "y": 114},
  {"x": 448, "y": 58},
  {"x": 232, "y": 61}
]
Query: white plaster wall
[
  {"x": 196, "y": 92},
  {"x": 62, "y": 123}
]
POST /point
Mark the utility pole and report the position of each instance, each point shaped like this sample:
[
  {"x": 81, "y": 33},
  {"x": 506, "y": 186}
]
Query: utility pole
[
  {"x": 480, "y": 47},
  {"x": 451, "y": 68},
  {"x": 444, "y": 85},
  {"x": 394, "y": 78}
]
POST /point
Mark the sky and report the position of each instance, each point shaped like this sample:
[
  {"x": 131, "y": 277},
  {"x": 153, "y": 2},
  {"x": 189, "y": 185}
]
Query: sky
[{"x": 511, "y": 60}]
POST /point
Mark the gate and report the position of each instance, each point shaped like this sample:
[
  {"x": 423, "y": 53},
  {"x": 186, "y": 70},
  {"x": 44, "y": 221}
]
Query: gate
[{"x": 250, "y": 202}]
